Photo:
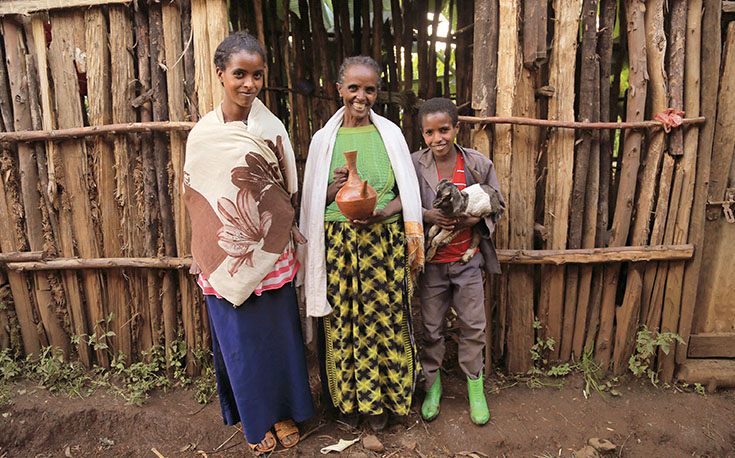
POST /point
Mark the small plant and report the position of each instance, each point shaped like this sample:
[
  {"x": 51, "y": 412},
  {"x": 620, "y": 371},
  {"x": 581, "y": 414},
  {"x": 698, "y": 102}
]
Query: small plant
[
  {"x": 647, "y": 344},
  {"x": 699, "y": 389},
  {"x": 55, "y": 374},
  {"x": 141, "y": 378},
  {"x": 206, "y": 384}
]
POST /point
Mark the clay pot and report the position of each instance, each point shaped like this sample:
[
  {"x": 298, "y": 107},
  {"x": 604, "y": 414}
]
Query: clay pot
[{"x": 356, "y": 199}]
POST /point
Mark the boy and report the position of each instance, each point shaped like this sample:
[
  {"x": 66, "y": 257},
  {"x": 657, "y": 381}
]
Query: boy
[{"x": 446, "y": 281}]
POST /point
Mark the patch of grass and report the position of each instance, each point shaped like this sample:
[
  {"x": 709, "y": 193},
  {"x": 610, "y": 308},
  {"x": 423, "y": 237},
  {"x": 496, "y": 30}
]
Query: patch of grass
[{"x": 647, "y": 345}]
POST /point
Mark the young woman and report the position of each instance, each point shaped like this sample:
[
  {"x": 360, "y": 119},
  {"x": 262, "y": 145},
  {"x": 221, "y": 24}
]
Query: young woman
[
  {"x": 239, "y": 182},
  {"x": 357, "y": 272}
]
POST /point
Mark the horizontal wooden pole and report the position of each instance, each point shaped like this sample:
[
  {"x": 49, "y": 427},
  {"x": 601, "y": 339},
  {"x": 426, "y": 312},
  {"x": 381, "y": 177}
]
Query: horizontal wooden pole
[
  {"x": 597, "y": 255},
  {"x": 557, "y": 257},
  {"x": 712, "y": 373},
  {"x": 728, "y": 6},
  {"x": 21, "y": 256},
  {"x": 711, "y": 345},
  {"x": 31, "y": 6},
  {"x": 101, "y": 263},
  {"x": 79, "y": 132},
  {"x": 572, "y": 124}
]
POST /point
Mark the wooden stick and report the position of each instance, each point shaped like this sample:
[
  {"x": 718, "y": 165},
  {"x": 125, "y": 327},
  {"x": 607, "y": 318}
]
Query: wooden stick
[
  {"x": 521, "y": 256},
  {"x": 152, "y": 319},
  {"x": 204, "y": 80},
  {"x": 21, "y": 256},
  {"x": 519, "y": 334},
  {"x": 106, "y": 129},
  {"x": 78, "y": 213},
  {"x": 627, "y": 314},
  {"x": 679, "y": 202},
  {"x": 574, "y": 124},
  {"x": 174, "y": 84},
  {"x": 587, "y": 112},
  {"x": 217, "y": 30},
  {"x": 710, "y": 65},
  {"x": 189, "y": 72},
  {"x": 560, "y": 159},
  {"x": 100, "y": 112},
  {"x": 29, "y": 180},
  {"x": 32, "y": 6},
  {"x": 628, "y": 176}
]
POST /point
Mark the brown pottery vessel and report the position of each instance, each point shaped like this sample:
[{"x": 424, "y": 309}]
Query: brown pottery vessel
[{"x": 356, "y": 199}]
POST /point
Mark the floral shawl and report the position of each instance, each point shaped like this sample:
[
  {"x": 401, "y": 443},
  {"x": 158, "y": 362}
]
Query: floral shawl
[{"x": 238, "y": 183}]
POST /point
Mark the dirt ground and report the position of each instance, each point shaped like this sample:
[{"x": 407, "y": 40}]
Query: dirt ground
[{"x": 544, "y": 422}]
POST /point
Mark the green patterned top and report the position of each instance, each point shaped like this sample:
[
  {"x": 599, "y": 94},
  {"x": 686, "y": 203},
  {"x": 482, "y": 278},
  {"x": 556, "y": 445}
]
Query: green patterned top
[{"x": 373, "y": 165}]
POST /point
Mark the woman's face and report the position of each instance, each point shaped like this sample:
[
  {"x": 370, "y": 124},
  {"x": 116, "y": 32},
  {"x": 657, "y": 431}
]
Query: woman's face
[
  {"x": 242, "y": 79},
  {"x": 358, "y": 90}
]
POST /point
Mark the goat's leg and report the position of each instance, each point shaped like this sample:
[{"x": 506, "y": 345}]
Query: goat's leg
[{"x": 474, "y": 243}]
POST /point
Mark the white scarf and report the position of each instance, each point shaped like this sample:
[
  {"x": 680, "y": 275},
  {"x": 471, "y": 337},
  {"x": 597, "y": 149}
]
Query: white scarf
[{"x": 313, "y": 275}]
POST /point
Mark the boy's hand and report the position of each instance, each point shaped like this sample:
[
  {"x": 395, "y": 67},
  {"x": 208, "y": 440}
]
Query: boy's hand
[
  {"x": 436, "y": 217},
  {"x": 465, "y": 221}
]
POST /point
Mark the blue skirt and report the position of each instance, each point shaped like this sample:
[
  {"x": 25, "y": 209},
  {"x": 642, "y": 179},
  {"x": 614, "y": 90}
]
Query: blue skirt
[{"x": 259, "y": 361}]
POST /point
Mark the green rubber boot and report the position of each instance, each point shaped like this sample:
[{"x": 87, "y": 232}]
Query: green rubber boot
[
  {"x": 479, "y": 412},
  {"x": 430, "y": 407}
]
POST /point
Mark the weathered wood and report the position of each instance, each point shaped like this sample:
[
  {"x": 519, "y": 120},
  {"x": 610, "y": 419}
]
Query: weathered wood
[
  {"x": 679, "y": 202},
  {"x": 321, "y": 63},
  {"x": 534, "y": 33},
  {"x": 627, "y": 314},
  {"x": 431, "y": 57},
  {"x": 74, "y": 133},
  {"x": 716, "y": 291},
  {"x": 217, "y": 30},
  {"x": 152, "y": 321},
  {"x": 711, "y": 345},
  {"x": 728, "y": 6},
  {"x": 517, "y": 356},
  {"x": 122, "y": 74},
  {"x": 32, "y": 6},
  {"x": 174, "y": 85},
  {"x": 637, "y": 80},
  {"x": 448, "y": 54},
  {"x": 205, "y": 81},
  {"x": 161, "y": 262},
  {"x": 590, "y": 226},
  {"x": 525, "y": 144},
  {"x": 160, "y": 149},
  {"x": 100, "y": 113},
  {"x": 485, "y": 70},
  {"x": 21, "y": 256},
  {"x": 377, "y": 30},
  {"x": 710, "y": 65},
  {"x": 192, "y": 99},
  {"x": 6, "y": 110},
  {"x": 409, "y": 18},
  {"x": 15, "y": 50},
  {"x": 21, "y": 296},
  {"x": 560, "y": 160},
  {"x": 587, "y": 112},
  {"x": 573, "y": 124},
  {"x": 712, "y": 373},
  {"x": 422, "y": 48},
  {"x": 76, "y": 206}
]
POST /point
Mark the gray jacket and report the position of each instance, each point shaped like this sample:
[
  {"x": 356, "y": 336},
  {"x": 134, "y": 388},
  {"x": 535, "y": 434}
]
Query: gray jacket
[{"x": 478, "y": 169}]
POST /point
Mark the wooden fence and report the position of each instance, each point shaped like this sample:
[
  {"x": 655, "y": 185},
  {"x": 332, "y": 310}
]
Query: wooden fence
[{"x": 101, "y": 205}]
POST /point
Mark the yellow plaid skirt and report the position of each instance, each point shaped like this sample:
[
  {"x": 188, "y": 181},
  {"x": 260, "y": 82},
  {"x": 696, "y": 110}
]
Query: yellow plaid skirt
[{"x": 371, "y": 357}]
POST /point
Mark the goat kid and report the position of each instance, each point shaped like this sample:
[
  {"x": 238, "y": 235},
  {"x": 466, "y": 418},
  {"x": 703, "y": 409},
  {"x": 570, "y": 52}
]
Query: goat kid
[{"x": 477, "y": 200}]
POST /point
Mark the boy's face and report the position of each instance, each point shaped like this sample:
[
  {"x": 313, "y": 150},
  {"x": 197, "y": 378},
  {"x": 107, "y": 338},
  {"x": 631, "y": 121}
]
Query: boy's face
[{"x": 439, "y": 133}]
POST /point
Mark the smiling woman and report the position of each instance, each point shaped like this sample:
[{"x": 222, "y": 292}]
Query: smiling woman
[
  {"x": 357, "y": 274},
  {"x": 239, "y": 185}
]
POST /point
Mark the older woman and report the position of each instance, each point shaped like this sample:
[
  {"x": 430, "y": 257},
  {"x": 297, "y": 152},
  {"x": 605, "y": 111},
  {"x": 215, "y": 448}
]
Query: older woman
[
  {"x": 357, "y": 273},
  {"x": 239, "y": 180}
]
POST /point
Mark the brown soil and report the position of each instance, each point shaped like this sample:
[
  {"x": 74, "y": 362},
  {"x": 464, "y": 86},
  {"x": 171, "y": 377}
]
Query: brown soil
[{"x": 547, "y": 422}]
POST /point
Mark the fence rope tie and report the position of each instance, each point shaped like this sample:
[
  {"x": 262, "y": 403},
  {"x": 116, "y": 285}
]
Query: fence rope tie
[{"x": 670, "y": 118}]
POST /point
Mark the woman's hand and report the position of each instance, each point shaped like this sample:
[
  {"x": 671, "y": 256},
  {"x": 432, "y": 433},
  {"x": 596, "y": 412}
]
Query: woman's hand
[
  {"x": 194, "y": 269},
  {"x": 340, "y": 178},
  {"x": 376, "y": 217},
  {"x": 298, "y": 237}
]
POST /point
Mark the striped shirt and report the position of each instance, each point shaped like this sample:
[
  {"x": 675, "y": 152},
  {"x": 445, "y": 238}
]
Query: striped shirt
[{"x": 283, "y": 272}]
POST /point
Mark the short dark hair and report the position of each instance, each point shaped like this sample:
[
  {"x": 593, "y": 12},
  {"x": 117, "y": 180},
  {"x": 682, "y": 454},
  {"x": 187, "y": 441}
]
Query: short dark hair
[
  {"x": 439, "y": 105},
  {"x": 357, "y": 60},
  {"x": 234, "y": 43}
]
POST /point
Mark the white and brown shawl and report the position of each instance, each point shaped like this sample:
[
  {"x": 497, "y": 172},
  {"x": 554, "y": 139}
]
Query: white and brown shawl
[{"x": 238, "y": 182}]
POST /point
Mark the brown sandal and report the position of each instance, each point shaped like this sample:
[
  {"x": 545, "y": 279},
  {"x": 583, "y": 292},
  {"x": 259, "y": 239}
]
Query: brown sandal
[
  {"x": 286, "y": 429},
  {"x": 261, "y": 447}
]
